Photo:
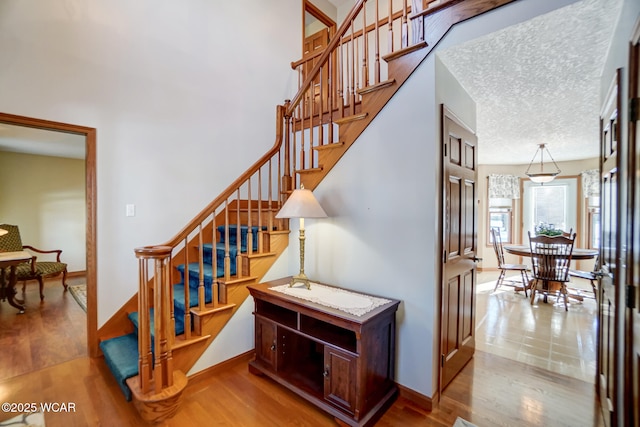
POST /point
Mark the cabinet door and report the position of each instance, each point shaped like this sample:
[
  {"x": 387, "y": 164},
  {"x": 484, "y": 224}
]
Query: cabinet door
[
  {"x": 340, "y": 378},
  {"x": 266, "y": 342}
]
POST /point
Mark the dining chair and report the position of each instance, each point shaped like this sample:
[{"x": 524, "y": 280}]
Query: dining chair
[
  {"x": 504, "y": 267},
  {"x": 550, "y": 261},
  {"x": 591, "y": 276},
  {"x": 34, "y": 269}
]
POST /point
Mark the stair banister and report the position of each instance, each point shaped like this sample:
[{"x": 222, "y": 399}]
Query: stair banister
[
  {"x": 154, "y": 264},
  {"x": 333, "y": 43}
]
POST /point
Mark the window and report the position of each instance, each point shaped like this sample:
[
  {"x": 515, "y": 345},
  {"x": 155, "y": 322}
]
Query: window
[
  {"x": 593, "y": 222},
  {"x": 500, "y": 214},
  {"x": 554, "y": 204}
]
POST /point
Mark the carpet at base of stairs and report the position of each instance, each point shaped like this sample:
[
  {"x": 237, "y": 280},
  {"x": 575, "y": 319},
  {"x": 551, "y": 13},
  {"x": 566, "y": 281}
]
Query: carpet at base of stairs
[{"x": 121, "y": 356}]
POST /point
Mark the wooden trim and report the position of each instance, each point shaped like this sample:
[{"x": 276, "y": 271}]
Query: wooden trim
[
  {"x": 223, "y": 366},
  {"x": 91, "y": 208},
  {"x": 322, "y": 17},
  {"x": 418, "y": 399}
]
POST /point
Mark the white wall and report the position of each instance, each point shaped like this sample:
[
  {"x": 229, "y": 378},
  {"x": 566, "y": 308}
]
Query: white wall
[
  {"x": 45, "y": 197},
  {"x": 182, "y": 94}
]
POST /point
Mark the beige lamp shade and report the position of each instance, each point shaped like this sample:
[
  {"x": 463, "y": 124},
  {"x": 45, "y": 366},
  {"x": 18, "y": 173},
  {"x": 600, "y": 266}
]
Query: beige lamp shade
[{"x": 301, "y": 204}]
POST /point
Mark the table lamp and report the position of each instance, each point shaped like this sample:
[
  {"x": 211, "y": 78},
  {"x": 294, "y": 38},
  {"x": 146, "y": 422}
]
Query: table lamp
[{"x": 301, "y": 204}]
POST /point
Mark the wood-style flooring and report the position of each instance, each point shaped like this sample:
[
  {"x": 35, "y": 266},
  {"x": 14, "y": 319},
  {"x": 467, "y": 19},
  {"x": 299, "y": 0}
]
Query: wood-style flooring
[
  {"x": 47, "y": 333},
  {"x": 490, "y": 391}
]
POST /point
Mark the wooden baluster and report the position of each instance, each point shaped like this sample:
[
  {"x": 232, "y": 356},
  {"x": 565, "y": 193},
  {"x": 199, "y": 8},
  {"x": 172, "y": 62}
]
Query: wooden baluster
[
  {"x": 250, "y": 236},
  {"x": 365, "y": 50},
  {"x": 168, "y": 331},
  {"x": 342, "y": 72},
  {"x": 356, "y": 83},
  {"x": 157, "y": 322},
  {"x": 352, "y": 71},
  {"x": 270, "y": 208},
  {"x": 227, "y": 259},
  {"x": 187, "y": 315},
  {"x": 260, "y": 219},
  {"x": 390, "y": 25},
  {"x": 215, "y": 291},
  {"x": 312, "y": 92},
  {"x": 238, "y": 236},
  {"x": 145, "y": 357},
  {"x": 331, "y": 91},
  {"x": 417, "y": 22},
  {"x": 405, "y": 28},
  {"x": 201, "y": 299},
  {"x": 172, "y": 315},
  {"x": 376, "y": 77},
  {"x": 323, "y": 90},
  {"x": 287, "y": 172}
]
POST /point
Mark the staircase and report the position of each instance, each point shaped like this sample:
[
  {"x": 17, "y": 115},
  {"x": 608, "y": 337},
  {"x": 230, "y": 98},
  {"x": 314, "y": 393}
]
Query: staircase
[{"x": 187, "y": 294}]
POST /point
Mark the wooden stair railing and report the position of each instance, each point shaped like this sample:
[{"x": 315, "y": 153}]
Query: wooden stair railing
[
  {"x": 333, "y": 85},
  {"x": 157, "y": 390},
  {"x": 313, "y": 130}
]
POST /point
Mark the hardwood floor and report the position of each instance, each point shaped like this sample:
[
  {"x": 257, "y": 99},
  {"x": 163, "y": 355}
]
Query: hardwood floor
[
  {"x": 47, "y": 333},
  {"x": 490, "y": 391}
]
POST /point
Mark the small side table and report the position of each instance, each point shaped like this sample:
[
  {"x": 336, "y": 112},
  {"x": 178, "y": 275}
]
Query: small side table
[{"x": 7, "y": 290}]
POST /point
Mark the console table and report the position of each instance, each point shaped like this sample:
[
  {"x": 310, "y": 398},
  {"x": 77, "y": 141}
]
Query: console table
[
  {"x": 11, "y": 260},
  {"x": 343, "y": 363}
]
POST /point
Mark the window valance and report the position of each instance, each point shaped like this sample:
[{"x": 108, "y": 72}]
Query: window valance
[
  {"x": 591, "y": 182},
  {"x": 504, "y": 186}
]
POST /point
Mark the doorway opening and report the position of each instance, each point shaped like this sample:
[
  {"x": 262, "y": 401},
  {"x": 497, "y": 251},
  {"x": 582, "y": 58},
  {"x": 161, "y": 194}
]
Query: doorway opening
[{"x": 90, "y": 208}]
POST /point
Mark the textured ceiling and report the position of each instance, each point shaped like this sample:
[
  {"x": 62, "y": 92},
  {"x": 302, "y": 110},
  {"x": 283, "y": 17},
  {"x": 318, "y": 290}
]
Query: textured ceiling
[{"x": 538, "y": 82}]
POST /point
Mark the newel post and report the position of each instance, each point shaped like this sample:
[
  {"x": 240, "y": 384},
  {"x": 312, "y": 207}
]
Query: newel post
[{"x": 157, "y": 389}]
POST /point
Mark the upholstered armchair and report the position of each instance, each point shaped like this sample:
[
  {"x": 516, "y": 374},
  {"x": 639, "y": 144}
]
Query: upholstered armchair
[{"x": 33, "y": 269}]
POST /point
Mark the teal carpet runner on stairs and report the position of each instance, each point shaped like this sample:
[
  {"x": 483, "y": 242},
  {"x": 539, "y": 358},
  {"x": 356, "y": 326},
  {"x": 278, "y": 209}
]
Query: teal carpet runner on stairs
[{"x": 121, "y": 353}]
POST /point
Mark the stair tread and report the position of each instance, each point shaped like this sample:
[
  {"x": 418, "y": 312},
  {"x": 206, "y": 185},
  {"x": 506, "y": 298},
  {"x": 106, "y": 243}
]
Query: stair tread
[
  {"x": 121, "y": 356},
  {"x": 329, "y": 146},
  {"x": 210, "y": 310},
  {"x": 377, "y": 86}
]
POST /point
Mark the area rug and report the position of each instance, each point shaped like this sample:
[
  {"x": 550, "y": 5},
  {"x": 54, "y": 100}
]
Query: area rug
[
  {"x": 33, "y": 419},
  {"x": 463, "y": 423},
  {"x": 79, "y": 293}
]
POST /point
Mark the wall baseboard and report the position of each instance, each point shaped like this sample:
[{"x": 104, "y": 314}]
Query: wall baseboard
[
  {"x": 220, "y": 367},
  {"x": 418, "y": 399}
]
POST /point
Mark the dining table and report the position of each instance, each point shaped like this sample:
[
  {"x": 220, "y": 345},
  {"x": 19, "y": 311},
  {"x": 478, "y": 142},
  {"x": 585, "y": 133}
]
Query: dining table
[
  {"x": 577, "y": 254},
  {"x": 10, "y": 260}
]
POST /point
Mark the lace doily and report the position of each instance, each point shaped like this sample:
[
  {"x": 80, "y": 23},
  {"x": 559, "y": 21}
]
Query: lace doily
[{"x": 340, "y": 299}]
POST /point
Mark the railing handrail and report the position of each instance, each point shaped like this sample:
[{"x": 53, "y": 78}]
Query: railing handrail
[{"x": 333, "y": 44}]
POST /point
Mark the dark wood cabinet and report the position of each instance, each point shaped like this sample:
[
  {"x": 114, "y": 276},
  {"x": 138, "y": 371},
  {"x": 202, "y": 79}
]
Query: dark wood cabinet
[{"x": 341, "y": 362}]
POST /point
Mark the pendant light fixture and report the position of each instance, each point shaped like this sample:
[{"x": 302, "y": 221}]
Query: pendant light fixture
[{"x": 541, "y": 176}]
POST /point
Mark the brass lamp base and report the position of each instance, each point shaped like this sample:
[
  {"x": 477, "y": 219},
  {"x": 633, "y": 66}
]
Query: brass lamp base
[{"x": 300, "y": 278}]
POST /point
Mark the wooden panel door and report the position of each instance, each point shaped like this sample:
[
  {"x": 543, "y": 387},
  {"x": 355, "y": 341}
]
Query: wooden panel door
[
  {"x": 632, "y": 386},
  {"x": 340, "y": 378},
  {"x": 312, "y": 47},
  {"x": 458, "y": 287},
  {"x": 609, "y": 289},
  {"x": 266, "y": 342}
]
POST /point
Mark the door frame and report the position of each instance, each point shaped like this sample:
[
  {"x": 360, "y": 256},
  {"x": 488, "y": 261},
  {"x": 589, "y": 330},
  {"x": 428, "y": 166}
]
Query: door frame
[
  {"x": 448, "y": 114},
  {"x": 90, "y": 204},
  {"x": 632, "y": 315},
  {"x": 313, "y": 10}
]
